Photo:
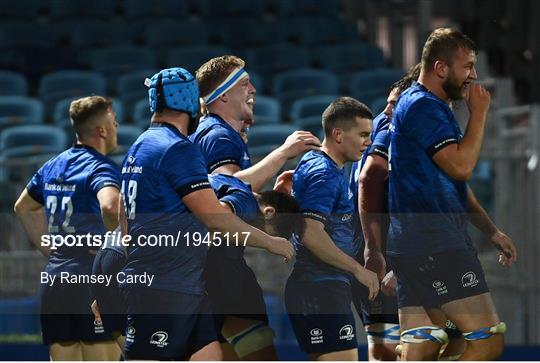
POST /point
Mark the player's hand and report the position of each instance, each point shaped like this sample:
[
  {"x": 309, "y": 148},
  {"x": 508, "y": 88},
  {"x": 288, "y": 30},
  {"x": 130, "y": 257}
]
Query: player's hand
[
  {"x": 389, "y": 284},
  {"x": 299, "y": 142},
  {"x": 506, "y": 247},
  {"x": 281, "y": 247},
  {"x": 478, "y": 99},
  {"x": 95, "y": 311},
  {"x": 284, "y": 182},
  {"x": 374, "y": 261},
  {"x": 368, "y": 279}
]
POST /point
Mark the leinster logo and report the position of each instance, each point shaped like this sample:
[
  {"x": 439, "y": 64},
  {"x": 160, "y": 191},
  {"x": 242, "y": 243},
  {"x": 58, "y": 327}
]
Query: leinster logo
[
  {"x": 346, "y": 333},
  {"x": 469, "y": 279},
  {"x": 131, "y": 159},
  {"x": 159, "y": 338}
]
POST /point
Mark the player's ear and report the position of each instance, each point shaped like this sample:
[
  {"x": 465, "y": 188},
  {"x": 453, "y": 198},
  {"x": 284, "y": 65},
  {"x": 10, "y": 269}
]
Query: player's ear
[
  {"x": 337, "y": 135},
  {"x": 268, "y": 212},
  {"x": 441, "y": 69},
  {"x": 224, "y": 97},
  {"x": 101, "y": 131}
]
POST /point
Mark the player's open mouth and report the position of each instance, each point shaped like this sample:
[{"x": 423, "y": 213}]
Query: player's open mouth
[
  {"x": 250, "y": 102},
  {"x": 466, "y": 85}
]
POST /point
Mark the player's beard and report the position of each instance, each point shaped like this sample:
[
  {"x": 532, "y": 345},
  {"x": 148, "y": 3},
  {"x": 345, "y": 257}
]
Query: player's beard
[{"x": 453, "y": 89}]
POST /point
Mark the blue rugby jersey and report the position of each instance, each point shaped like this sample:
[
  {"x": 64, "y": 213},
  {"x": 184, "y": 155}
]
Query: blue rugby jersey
[
  {"x": 322, "y": 191},
  {"x": 427, "y": 207},
  {"x": 161, "y": 168},
  {"x": 67, "y": 185},
  {"x": 220, "y": 143},
  {"x": 240, "y": 198}
]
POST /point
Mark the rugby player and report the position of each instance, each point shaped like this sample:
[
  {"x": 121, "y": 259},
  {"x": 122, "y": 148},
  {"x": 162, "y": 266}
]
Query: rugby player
[
  {"x": 229, "y": 96},
  {"x": 75, "y": 194},
  {"x": 437, "y": 269},
  {"x": 318, "y": 291},
  {"x": 166, "y": 191}
]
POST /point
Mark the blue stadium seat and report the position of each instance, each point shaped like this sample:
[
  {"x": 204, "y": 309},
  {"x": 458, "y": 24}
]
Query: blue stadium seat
[
  {"x": 257, "y": 81},
  {"x": 97, "y": 33},
  {"x": 277, "y": 58},
  {"x": 369, "y": 96},
  {"x": 141, "y": 113},
  {"x": 227, "y": 8},
  {"x": 315, "y": 30},
  {"x": 126, "y": 137},
  {"x": 59, "y": 9},
  {"x": 374, "y": 79},
  {"x": 294, "y": 84},
  {"x": 304, "y": 7},
  {"x": 61, "y": 111},
  {"x": 310, "y": 106},
  {"x": 272, "y": 135},
  {"x": 29, "y": 140},
  {"x": 240, "y": 33},
  {"x": 347, "y": 57},
  {"x": 20, "y": 110},
  {"x": 27, "y": 9},
  {"x": 56, "y": 86},
  {"x": 130, "y": 88},
  {"x": 312, "y": 124},
  {"x": 171, "y": 33},
  {"x": 193, "y": 57},
  {"x": 114, "y": 61},
  {"x": 27, "y": 34},
  {"x": 266, "y": 110},
  {"x": 378, "y": 105},
  {"x": 156, "y": 9},
  {"x": 375, "y": 82},
  {"x": 13, "y": 84}
]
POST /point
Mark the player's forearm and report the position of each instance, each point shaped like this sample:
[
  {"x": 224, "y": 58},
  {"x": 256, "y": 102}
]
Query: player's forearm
[
  {"x": 35, "y": 227},
  {"x": 322, "y": 246},
  {"x": 258, "y": 174},
  {"x": 478, "y": 215},
  {"x": 372, "y": 205},
  {"x": 469, "y": 147}
]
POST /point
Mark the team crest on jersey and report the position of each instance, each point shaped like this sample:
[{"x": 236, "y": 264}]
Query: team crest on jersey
[
  {"x": 98, "y": 326},
  {"x": 346, "y": 333},
  {"x": 469, "y": 279},
  {"x": 131, "y": 159},
  {"x": 316, "y": 336},
  {"x": 159, "y": 338},
  {"x": 440, "y": 287}
]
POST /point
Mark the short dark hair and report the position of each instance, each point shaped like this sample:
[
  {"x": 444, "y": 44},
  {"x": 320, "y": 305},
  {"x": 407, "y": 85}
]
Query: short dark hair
[
  {"x": 288, "y": 219},
  {"x": 442, "y": 45},
  {"x": 342, "y": 113},
  {"x": 85, "y": 111},
  {"x": 405, "y": 82}
]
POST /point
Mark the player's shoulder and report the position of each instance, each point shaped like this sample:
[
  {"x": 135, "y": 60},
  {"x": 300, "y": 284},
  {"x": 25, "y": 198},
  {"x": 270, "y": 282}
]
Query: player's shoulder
[{"x": 318, "y": 164}]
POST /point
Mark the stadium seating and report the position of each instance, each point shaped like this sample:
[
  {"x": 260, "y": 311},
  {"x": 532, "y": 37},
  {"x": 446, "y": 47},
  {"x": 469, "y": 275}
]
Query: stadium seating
[
  {"x": 136, "y": 9},
  {"x": 13, "y": 84},
  {"x": 20, "y": 110},
  {"x": 274, "y": 58},
  {"x": 20, "y": 9},
  {"x": 61, "y": 112},
  {"x": 59, "y": 9},
  {"x": 30, "y": 140},
  {"x": 378, "y": 105},
  {"x": 269, "y": 134},
  {"x": 141, "y": 113},
  {"x": 171, "y": 33},
  {"x": 370, "y": 84},
  {"x": 25, "y": 34},
  {"x": 97, "y": 33},
  {"x": 113, "y": 62},
  {"x": 266, "y": 110},
  {"x": 126, "y": 136},
  {"x": 213, "y": 9},
  {"x": 56, "y": 86},
  {"x": 130, "y": 88},
  {"x": 193, "y": 57},
  {"x": 312, "y": 124},
  {"x": 310, "y": 106}
]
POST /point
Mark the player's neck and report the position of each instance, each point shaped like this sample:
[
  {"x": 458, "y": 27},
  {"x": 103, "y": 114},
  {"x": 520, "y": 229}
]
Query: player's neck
[
  {"x": 433, "y": 85},
  {"x": 95, "y": 144},
  {"x": 228, "y": 117},
  {"x": 179, "y": 121},
  {"x": 332, "y": 151}
]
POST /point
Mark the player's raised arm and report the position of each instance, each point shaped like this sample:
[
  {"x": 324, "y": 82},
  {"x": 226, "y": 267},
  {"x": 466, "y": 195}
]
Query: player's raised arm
[{"x": 205, "y": 206}]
